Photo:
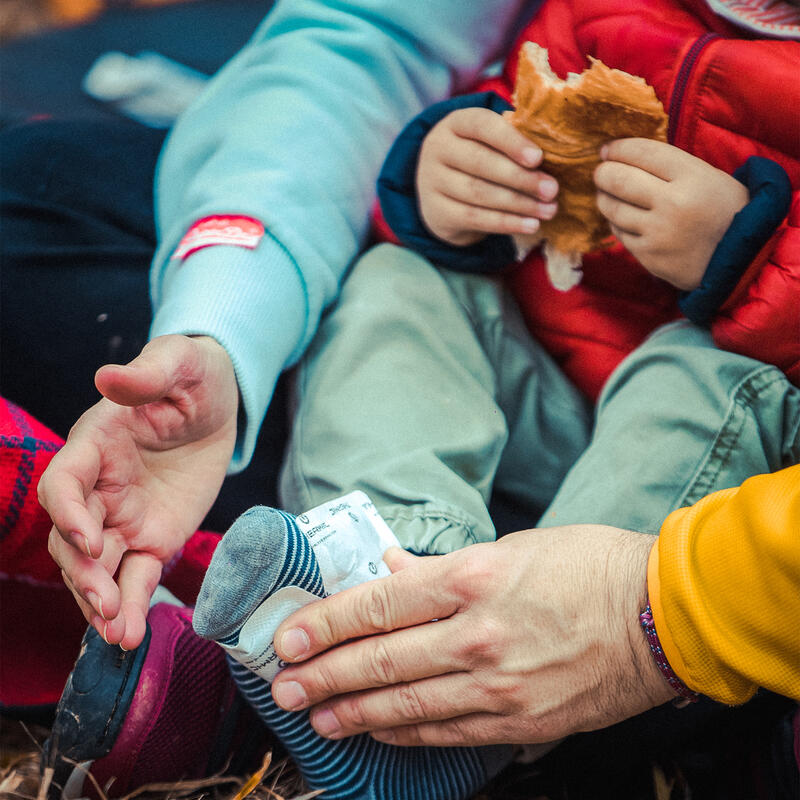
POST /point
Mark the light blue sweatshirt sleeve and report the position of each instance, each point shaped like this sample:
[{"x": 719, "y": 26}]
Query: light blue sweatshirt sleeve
[{"x": 293, "y": 132}]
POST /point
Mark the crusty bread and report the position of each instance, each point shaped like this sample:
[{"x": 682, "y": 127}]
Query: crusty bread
[{"x": 570, "y": 120}]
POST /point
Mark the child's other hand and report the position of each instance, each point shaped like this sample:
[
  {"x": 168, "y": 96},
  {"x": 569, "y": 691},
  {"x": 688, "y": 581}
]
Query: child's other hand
[
  {"x": 669, "y": 208},
  {"x": 477, "y": 175}
]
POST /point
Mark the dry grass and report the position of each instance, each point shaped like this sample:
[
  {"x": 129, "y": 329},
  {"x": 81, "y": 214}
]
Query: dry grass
[{"x": 21, "y": 746}]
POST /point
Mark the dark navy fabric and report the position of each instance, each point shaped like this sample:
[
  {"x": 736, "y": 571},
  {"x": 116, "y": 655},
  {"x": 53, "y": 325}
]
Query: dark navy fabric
[
  {"x": 78, "y": 230},
  {"x": 397, "y": 193},
  {"x": 42, "y": 74},
  {"x": 770, "y": 197},
  {"x": 78, "y": 234}
]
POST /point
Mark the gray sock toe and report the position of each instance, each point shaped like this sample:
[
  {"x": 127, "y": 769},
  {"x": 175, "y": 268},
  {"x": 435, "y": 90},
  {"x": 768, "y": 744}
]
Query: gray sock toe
[{"x": 243, "y": 571}]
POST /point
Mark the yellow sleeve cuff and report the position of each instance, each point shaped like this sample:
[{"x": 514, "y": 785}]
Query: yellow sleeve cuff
[{"x": 724, "y": 579}]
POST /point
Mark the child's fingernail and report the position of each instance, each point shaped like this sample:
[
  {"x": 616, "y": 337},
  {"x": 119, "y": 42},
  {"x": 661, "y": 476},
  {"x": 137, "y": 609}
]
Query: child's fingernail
[
  {"x": 548, "y": 210},
  {"x": 96, "y": 602},
  {"x": 530, "y": 225},
  {"x": 604, "y": 152},
  {"x": 82, "y": 541},
  {"x": 532, "y": 156},
  {"x": 548, "y": 188}
]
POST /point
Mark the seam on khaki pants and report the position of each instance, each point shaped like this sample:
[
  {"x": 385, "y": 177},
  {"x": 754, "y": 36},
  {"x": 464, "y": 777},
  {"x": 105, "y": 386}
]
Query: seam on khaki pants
[{"x": 719, "y": 454}]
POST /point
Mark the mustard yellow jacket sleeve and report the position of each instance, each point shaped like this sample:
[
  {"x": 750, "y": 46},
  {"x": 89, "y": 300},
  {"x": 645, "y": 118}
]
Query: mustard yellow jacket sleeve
[{"x": 724, "y": 584}]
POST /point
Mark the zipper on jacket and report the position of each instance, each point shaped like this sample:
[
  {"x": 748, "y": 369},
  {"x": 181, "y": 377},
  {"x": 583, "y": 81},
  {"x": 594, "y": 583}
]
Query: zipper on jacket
[{"x": 676, "y": 103}]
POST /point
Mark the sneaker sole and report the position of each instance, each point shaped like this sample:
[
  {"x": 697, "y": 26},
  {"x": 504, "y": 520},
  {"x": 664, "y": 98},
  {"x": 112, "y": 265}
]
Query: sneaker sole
[{"x": 92, "y": 708}]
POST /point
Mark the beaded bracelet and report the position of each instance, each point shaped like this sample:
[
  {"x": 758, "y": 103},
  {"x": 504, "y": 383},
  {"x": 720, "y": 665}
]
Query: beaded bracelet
[{"x": 686, "y": 695}]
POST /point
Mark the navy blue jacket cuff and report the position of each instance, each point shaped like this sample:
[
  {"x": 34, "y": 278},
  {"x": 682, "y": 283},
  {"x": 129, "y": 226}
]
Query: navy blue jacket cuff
[
  {"x": 397, "y": 193},
  {"x": 770, "y": 197}
]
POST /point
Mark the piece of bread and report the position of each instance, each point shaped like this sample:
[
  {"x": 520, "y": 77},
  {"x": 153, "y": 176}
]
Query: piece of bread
[{"x": 570, "y": 120}]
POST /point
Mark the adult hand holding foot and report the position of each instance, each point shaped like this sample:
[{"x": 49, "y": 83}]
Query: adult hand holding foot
[
  {"x": 137, "y": 474},
  {"x": 534, "y": 637}
]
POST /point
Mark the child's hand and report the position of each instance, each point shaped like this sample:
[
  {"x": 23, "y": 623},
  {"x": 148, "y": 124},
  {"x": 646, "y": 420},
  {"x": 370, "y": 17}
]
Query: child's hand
[
  {"x": 477, "y": 175},
  {"x": 669, "y": 208}
]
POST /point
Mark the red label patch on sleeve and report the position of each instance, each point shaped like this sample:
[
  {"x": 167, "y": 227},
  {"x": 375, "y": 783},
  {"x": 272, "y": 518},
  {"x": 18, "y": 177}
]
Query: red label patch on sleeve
[{"x": 234, "y": 231}]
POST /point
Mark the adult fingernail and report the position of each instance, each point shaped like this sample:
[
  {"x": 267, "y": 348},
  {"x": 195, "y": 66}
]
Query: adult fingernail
[
  {"x": 548, "y": 188},
  {"x": 532, "y": 156},
  {"x": 294, "y": 643},
  {"x": 82, "y": 541},
  {"x": 384, "y": 736},
  {"x": 105, "y": 633},
  {"x": 325, "y": 723},
  {"x": 530, "y": 225},
  {"x": 290, "y": 695}
]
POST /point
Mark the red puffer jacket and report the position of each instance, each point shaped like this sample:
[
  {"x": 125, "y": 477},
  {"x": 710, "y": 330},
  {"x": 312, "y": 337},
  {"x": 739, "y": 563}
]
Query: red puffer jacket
[{"x": 729, "y": 96}]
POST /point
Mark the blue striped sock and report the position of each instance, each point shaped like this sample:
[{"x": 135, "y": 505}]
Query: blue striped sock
[{"x": 264, "y": 552}]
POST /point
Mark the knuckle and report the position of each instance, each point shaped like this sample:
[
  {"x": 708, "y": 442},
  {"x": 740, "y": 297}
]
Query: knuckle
[
  {"x": 477, "y": 571},
  {"x": 418, "y": 735},
  {"x": 381, "y": 666},
  {"x": 615, "y": 181},
  {"x": 520, "y": 203},
  {"x": 458, "y": 730},
  {"x": 411, "y": 735},
  {"x": 354, "y": 714},
  {"x": 323, "y": 626},
  {"x": 324, "y": 681},
  {"x": 483, "y": 645},
  {"x": 679, "y": 201},
  {"x": 375, "y": 608},
  {"x": 509, "y": 174},
  {"x": 477, "y": 190},
  {"x": 510, "y": 697},
  {"x": 410, "y": 703},
  {"x": 471, "y": 217}
]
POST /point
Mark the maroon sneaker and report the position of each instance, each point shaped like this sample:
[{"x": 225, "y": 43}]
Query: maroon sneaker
[{"x": 166, "y": 711}]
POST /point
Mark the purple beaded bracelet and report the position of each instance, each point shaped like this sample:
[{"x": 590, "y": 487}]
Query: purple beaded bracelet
[{"x": 686, "y": 695}]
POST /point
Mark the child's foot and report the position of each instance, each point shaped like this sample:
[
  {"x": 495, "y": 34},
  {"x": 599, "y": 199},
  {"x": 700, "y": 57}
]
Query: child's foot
[{"x": 262, "y": 570}]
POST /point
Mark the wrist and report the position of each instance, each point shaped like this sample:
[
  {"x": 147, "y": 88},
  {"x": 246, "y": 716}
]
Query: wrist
[
  {"x": 769, "y": 195},
  {"x": 650, "y": 678}
]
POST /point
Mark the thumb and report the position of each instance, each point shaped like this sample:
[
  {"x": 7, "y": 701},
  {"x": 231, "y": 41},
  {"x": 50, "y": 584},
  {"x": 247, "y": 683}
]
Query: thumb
[
  {"x": 148, "y": 377},
  {"x": 396, "y": 559}
]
